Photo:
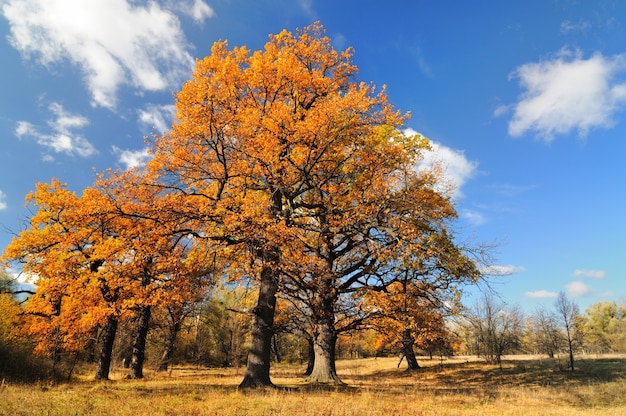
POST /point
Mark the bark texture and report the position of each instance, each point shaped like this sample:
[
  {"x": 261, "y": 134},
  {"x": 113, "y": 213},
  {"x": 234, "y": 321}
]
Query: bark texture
[
  {"x": 325, "y": 340},
  {"x": 259, "y": 355},
  {"x": 139, "y": 344},
  {"x": 106, "y": 352},
  {"x": 407, "y": 350}
]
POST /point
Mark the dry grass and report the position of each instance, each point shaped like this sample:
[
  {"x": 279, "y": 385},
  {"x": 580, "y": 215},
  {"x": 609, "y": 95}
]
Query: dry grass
[{"x": 459, "y": 386}]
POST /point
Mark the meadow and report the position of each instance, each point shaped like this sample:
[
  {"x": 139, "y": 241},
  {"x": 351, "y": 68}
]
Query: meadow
[{"x": 375, "y": 386}]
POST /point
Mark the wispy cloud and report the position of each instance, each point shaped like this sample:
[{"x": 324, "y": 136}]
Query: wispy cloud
[
  {"x": 3, "y": 201},
  {"x": 455, "y": 167},
  {"x": 578, "y": 289},
  {"x": 198, "y": 10},
  {"x": 473, "y": 217},
  {"x": 567, "y": 93},
  {"x": 541, "y": 294},
  {"x": 581, "y": 26},
  {"x": 63, "y": 136},
  {"x": 593, "y": 274},
  {"x": 131, "y": 158},
  {"x": 113, "y": 42},
  {"x": 157, "y": 117},
  {"x": 502, "y": 270}
]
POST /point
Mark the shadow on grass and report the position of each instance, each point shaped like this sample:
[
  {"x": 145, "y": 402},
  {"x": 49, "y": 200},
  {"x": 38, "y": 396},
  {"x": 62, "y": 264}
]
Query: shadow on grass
[
  {"x": 471, "y": 379},
  {"x": 479, "y": 377}
]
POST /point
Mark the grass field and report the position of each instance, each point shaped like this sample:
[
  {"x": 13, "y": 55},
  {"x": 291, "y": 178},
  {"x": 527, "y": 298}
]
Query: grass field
[{"x": 459, "y": 386}]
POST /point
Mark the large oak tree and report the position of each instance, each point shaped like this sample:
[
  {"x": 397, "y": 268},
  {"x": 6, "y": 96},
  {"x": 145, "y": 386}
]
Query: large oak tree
[{"x": 303, "y": 174}]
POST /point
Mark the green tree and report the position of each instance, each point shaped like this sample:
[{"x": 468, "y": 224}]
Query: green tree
[{"x": 603, "y": 325}]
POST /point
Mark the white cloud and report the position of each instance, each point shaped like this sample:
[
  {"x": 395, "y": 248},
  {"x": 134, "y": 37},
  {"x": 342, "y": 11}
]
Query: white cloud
[
  {"x": 593, "y": 274},
  {"x": 473, "y": 217},
  {"x": 3, "y": 201},
  {"x": 578, "y": 289},
  {"x": 502, "y": 270},
  {"x": 455, "y": 167},
  {"x": 63, "y": 137},
  {"x": 198, "y": 10},
  {"x": 567, "y": 93},
  {"x": 157, "y": 117},
  {"x": 580, "y": 26},
  {"x": 113, "y": 42},
  {"x": 132, "y": 158},
  {"x": 540, "y": 294}
]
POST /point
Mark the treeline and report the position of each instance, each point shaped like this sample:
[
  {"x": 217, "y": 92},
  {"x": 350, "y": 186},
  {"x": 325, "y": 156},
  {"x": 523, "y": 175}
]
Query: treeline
[
  {"x": 216, "y": 332},
  {"x": 492, "y": 329}
]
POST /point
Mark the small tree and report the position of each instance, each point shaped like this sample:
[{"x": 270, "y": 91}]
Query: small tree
[
  {"x": 497, "y": 329},
  {"x": 568, "y": 313},
  {"x": 545, "y": 332}
]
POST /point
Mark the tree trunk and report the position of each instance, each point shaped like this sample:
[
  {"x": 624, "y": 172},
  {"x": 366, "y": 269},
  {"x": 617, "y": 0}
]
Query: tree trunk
[
  {"x": 310, "y": 356},
  {"x": 259, "y": 355},
  {"x": 324, "y": 370},
  {"x": 106, "y": 353},
  {"x": 571, "y": 353},
  {"x": 407, "y": 350},
  {"x": 139, "y": 344}
]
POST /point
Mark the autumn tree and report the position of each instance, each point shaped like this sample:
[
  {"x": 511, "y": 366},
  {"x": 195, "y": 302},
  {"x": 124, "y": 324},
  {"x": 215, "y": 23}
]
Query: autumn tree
[
  {"x": 163, "y": 265},
  {"x": 65, "y": 250},
  {"x": 99, "y": 258},
  {"x": 408, "y": 318},
  {"x": 302, "y": 172}
]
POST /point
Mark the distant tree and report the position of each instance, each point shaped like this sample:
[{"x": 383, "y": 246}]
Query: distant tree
[
  {"x": 568, "y": 314},
  {"x": 497, "y": 329},
  {"x": 409, "y": 315},
  {"x": 545, "y": 332},
  {"x": 603, "y": 325},
  {"x": 7, "y": 283}
]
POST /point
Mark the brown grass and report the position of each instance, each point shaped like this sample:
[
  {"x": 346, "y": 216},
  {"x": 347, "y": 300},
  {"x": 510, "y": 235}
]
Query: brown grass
[{"x": 460, "y": 386}]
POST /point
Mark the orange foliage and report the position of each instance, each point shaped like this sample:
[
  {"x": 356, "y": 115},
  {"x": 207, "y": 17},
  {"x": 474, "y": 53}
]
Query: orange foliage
[{"x": 100, "y": 255}]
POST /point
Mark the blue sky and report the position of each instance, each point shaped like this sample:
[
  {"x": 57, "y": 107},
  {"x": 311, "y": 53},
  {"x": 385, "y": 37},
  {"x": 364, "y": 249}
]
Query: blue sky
[{"x": 524, "y": 103}]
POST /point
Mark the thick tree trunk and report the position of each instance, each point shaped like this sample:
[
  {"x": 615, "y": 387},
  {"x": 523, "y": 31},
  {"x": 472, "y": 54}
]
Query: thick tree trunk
[
  {"x": 324, "y": 370},
  {"x": 139, "y": 344},
  {"x": 259, "y": 355},
  {"x": 106, "y": 353},
  {"x": 407, "y": 350}
]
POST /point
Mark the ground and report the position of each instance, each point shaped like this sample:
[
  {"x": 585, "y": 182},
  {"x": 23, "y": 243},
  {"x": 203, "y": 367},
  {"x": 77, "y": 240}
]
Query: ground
[{"x": 456, "y": 386}]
